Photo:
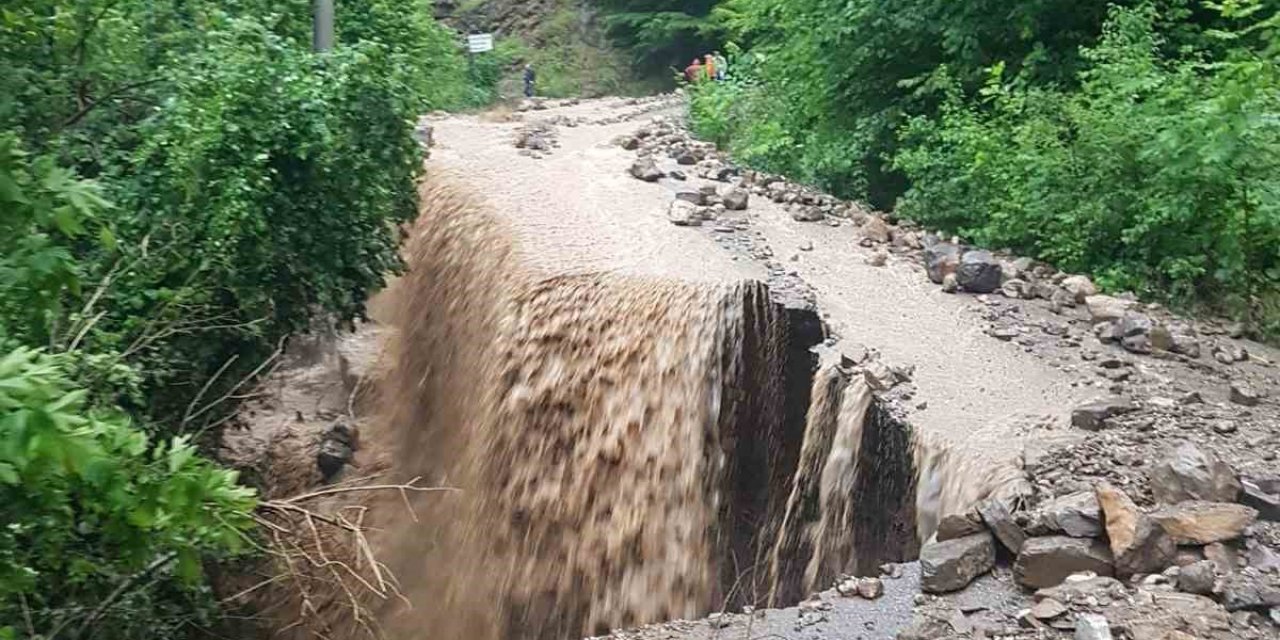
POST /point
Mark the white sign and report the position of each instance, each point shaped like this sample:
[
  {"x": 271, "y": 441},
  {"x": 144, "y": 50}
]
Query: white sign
[{"x": 480, "y": 42}]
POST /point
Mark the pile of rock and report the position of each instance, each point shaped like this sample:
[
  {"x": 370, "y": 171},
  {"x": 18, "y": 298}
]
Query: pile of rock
[
  {"x": 536, "y": 139},
  {"x": 691, "y": 207},
  {"x": 1193, "y": 552}
]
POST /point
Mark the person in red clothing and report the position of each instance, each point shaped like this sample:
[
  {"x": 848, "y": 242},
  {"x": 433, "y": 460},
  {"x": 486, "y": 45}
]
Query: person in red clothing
[{"x": 694, "y": 73}]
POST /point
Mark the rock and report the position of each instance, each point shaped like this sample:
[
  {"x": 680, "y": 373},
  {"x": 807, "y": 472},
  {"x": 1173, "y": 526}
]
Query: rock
[
  {"x": 1261, "y": 557},
  {"x": 959, "y": 525},
  {"x": 683, "y": 213},
  {"x": 1094, "y": 415},
  {"x": 1197, "y": 577},
  {"x": 997, "y": 517},
  {"x": 1080, "y": 288},
  {"x": 736, "y": 199},
  {"x": 1015, "y": 289},
  {"x": 979, "y": 272},
  {"x": 1249, "y": 590},
  {"x": 1134, "y": 332},
  {"x": 677, "y": 174},
  {"x": 1107, "y": 308},
  {"x": 1189, "y": 473},
  {"x": 878, "y": 259},
  {"x": 686, "y": 158},
  {"x": 941, "y": 259},
  {"x": 1076, "y": 515},
  {"x": 1243, "y": 394},
  {"x": 1092, "y": 626},
  {"x": 692, "y": 196},
  {"x": 1138, "y": 545},
  {"x": 879, "y": 376},
  {"x": 1047, "y": 561},
  {"x": 646, "y": 169},
  {"x": 337, "y": 447},
  {"x": 870, "y": 588},
  {"x": 951, "y": 565},
  {"x": 1199, "y": 522},
  {"x": 1255, "y": 494},
  {"x": 950, "y": 284},
  {"x": 1048, "y": 608},
  {"x": 802, "y": 213},
  {"x": 1224, "y": 558},
  {"x": 875, "y": 229},
  {"x": 1084, "y": 588}
]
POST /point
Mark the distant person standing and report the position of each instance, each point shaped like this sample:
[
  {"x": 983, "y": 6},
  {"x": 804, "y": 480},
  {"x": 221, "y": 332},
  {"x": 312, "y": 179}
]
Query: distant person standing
[
  {"x": 710, "y": 66},
  {"x": 722, "y": 66},
  {"x": 530, "y": 80},
  {"x": 694, "y": 73}
]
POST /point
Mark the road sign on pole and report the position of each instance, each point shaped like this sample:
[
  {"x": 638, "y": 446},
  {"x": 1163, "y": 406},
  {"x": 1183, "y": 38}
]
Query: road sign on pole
[{"x": 480, "y": 42}]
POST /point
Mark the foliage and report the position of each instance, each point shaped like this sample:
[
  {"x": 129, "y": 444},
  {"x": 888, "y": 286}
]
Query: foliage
[
  {"x": 1156, "y": 176},
  {"x": 94, "y": 511},
  {"x": 570, "y": 56},
  {"x": 663, "y": 34}
]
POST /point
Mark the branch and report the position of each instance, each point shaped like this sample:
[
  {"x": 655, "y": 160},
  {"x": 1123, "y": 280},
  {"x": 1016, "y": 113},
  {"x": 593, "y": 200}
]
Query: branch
[
  {"x": 84, "y": 110},
  {"x": 119, "y": 591}
]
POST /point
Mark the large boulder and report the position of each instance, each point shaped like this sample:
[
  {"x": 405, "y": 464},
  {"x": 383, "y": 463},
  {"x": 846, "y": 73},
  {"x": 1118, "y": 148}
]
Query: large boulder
[
  {"x": 1047, "y": 561},
  {"x": 736, "y": 199},
  {"x": 1200, "y": 522},
  {"x": 1076, "y": 515},
  {"x": 1189, "y": 473},
  {"x": 1000, "y": 520},
  {"x": 1138, "y": 544},
  {"x": 940, "y": 259},
  {"x": 959, "y": 525},
  {"x": 1080, "y": 288},
  {"x": 1108, "y": 308},
  {"x": 876, "y": 229},
  {"x": 646, "y": 169},
  {"x": 951, "y": 565},
  {"x": 1135, "y": 332},
  {"x": 979, "y": 272}
]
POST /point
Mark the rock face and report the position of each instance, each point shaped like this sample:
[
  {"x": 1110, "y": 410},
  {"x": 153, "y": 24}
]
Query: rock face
[
  {"x": 1138, "y": 544},
  {"x": 736, "y": 200},
  {"x": 941, "y": 259},
  {"x": 646, "y": 169},
  {"x": 1076, "y": 515},
  {"x": 979, "y": 272},
  {"x": 1094, "y": 415},
  {"x": 1189, "y": 473},
  {"x": 1047, "y": 561},
  {"x": 1199, "y": 522},
  {"x": 952, "y": 564}
]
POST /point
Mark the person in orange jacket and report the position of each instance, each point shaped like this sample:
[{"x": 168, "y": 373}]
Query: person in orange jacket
[
  {"x": 694, "y": 73},
  {"x": 710, "y": 67}
]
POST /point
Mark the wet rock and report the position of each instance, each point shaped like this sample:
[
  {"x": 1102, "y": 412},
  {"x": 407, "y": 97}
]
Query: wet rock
[
  {"x": 1189, "y": 473},
  {"x": 1076, "y": 515},
  {"x": 646, "y": 169},
  {"x": 959, "y": 525},
  {"x": 1263, "y": 496},
  {"x": 870, "y": 588},
  {"x": 1080, "y": 287},
  {"x": 1138, "y": 544},
  {"x": 1199, "y": 522},
  {"x": 879, "y": 376},
  {"x": 979, "y": 272},
  {"x": 1092, "y": 626},
  {"x": 1107, "y": 308},
  {"x": 736, "y": 200},
  {"x": 1243, "y": 394},
  {"x": 1094, "y": 415},
  {"x": 683, "y": 213},
  {"x": 1197, "y": 577},
  {"x": 1047, "y": 561},
  {"x": 692, "y": 196},
  {"x": 337, "y": 447},
  {"x": 941, "y": 259},
  {"x": 998, "y": 518},
  {"x": 875, "y": 229},
  {"x": 1249, "y": 590},
  {"x": 950, "y": 284},
  {"x": 951, "y": 565}
]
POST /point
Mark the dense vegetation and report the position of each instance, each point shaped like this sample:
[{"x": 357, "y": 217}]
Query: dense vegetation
[
  {"x": 1136, "y": 140},
  {"x": 182, "y": 185}
]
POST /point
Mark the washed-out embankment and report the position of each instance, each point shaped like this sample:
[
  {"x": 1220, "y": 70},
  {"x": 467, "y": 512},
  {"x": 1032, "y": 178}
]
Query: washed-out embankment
[{"x": 629, "y": 450}]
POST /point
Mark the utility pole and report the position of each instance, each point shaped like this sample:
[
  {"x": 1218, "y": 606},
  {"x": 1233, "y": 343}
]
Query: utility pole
[{"x": 322, "y": 36}]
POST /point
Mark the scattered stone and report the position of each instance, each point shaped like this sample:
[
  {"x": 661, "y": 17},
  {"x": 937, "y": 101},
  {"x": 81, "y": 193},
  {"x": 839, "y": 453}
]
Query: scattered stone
[
  {"x": 1138, "y": 545},
  {"x": 677, "y": 174},
  {"x": 1083, "y": 589},
  {"x": 959, "y": 525},
  {"x": 1197, "y": 577},
  {"x": 1014, "y": 288},
  {"x": 979, "y": 272},
  {"x": 1243, "y": 394},
  {"x": 875, "y": 229},
  {"x": 940, "y": 259},
  {"x": 1047, "y": 561},
  {"x": 646, "y": 169},
  {"x": 692, "y": 196},
  {"x": 683, "y": 213},
  {"x": 806, "y": 214},
  {"x": 1200, "y": 522},
  {"x": 870, "y": 588},
  {"x": 1107, "y": 308},
  {"x": 1076, "y": 515},
  {"x": 1092, "y": 626},
  {"x": 951, "y": 565},
  {"x": 878, "y": 259},
  {"x": 1189, "y": 473},
  {"x": 1080, "y": 288},
  {"x": 1263, "y": 496},
  {"x": 950, "y": 284},
  {"x": 1094, "y": 415},
  {"x": 736, "y": 199},
  {"x": 997, "y": 517}
]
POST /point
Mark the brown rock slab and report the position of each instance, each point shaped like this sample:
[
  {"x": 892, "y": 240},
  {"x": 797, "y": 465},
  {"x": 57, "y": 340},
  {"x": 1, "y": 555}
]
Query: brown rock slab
[
  {"x": 1199, "y": 522},
  {"x": 1138, "y": 544},
  {"x": 959, "y": 525},
  {"x": 951, "y": 565},
  {"x": 1047, "y": 561}
]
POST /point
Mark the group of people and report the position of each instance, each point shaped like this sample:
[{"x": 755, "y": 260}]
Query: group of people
[{"x": 713, "y": 66}]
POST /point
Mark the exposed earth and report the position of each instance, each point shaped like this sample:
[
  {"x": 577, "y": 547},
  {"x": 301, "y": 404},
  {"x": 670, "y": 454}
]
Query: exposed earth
[{"x": 1055, "y": 433}]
